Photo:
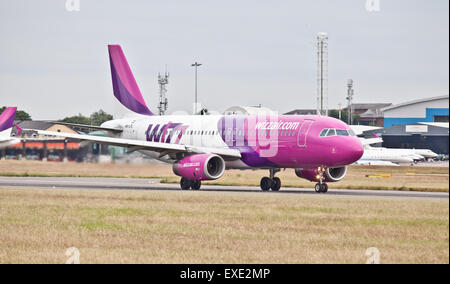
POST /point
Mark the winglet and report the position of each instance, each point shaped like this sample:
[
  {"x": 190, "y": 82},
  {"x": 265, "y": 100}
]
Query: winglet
[
  {"x": 7, "y": 118},
  {"x": 125, "y": 87},
  {"x": 374, "y": 135}
]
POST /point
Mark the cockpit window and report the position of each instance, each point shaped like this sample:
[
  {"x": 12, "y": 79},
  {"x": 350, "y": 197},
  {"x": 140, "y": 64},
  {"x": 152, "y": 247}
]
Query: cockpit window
[
  {"x": 331, "y": 132},
  {"x": 328, "y": 132},
  {"x": 324, "y": 132},
  {"x": 342, "y": 132}
]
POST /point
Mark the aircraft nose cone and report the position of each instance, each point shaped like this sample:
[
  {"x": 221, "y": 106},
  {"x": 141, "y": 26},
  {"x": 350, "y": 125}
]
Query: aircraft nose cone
[{"x": 357, "y": 151}]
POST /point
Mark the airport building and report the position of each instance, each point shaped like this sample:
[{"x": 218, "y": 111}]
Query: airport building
[
  {"x": 435, "y": 109},
  {"x": 40, "y": 147},
  {"x": 370, "y": 114},
  {"x": 424, "y": 135},
  {"x": 418, "y": 124}
]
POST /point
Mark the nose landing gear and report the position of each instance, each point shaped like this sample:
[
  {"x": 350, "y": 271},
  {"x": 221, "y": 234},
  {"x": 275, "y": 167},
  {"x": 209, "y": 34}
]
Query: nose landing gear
[
  {"x": 271, "y": 182},
  {"x": 321, "y": 186}
]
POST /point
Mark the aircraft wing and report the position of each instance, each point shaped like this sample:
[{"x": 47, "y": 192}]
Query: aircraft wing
[
  {"x": 370, "y": 141},
  {"x": 88, "y": 127},
  {"x": 375, "y": 163},
  {"x": 146, "y": 145}
]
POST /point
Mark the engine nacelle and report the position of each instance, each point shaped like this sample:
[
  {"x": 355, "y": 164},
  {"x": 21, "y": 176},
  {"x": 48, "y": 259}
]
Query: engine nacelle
[
  {"x": 200, "y": 167},
  {"x": 331, "y": 174}
]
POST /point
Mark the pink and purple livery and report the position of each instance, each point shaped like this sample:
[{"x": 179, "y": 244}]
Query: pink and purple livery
[
  {"x": 6, "y": 124},
  {"x": 318, "y": 148}
]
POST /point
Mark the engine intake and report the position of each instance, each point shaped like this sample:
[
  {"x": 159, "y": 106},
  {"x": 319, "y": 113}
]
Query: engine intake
[
  {"x": 200, "y": 167},
  {"x": 331, "y": 174}
]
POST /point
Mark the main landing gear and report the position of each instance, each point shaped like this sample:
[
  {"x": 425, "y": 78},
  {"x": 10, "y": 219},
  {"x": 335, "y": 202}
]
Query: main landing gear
[
  {"x": 187, "y": 184},
  {"x": 271, "y": 182},
  {"x": 321, "y": 186}
]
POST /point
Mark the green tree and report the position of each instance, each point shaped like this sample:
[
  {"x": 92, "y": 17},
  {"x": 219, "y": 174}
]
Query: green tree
[
  {"x": 97, "y": 118},
  {"x": 20, "y": 114},
  {"x": 78, "y": 119}
]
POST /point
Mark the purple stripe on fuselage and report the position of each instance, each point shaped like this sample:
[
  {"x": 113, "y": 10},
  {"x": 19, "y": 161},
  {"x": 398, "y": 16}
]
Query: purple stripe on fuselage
[
  {"x": 7, "y": 118},
  {"x": 250, "y": 156},
  {"x": 124, "y": 96}
]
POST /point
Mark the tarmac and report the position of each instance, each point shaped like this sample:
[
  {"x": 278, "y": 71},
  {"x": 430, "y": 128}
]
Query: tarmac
[{"x": 155, "y": 185}]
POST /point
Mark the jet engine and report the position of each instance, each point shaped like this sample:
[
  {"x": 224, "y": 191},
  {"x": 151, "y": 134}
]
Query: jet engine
[
  {"x": 330, "y": 175},
  {"x": 200, "y": 167}
]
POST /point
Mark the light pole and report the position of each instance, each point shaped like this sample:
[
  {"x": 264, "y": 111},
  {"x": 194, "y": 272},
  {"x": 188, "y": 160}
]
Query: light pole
[{"x": 196, "y": 65}]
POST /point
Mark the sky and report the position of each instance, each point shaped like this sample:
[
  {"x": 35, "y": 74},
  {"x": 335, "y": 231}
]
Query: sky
[{"x": 54, "y": 62}]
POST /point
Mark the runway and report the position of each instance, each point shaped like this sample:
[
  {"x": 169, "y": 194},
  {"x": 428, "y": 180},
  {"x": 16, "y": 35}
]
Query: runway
[{"x": 154, "y": 184}]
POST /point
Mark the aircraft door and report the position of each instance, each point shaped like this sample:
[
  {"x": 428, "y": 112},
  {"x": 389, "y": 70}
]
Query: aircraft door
[{"x": 303, "y": 133}]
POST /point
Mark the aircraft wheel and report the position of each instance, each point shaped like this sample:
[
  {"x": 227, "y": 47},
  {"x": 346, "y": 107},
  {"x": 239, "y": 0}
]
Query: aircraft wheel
[
  {"x": 185, "y": 183},
  {"x": 196, "y": 184},
  {"x": 324, "y": 187},
  {"x": 276, "y": 184},
  {"x": 318, "y": 188},
  {"x": 266, "y": 183}
]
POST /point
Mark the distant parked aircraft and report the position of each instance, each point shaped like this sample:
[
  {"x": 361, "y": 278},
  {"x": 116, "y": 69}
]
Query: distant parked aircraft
[
  {"x": 388, "y": 156},
  {"x": 6, "y": 125}
]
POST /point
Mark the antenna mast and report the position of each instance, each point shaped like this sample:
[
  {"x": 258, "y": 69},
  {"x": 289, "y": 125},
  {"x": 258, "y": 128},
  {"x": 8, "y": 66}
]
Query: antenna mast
[
  {"x": 163, "y": 80},
  {"x": 350, "y": 93},
  {"x": 322, "y": 74}
]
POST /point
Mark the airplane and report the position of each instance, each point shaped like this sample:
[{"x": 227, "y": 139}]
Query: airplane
[
  {"x": 202, "y": 147},
  {"x": 388, "y": 156},
  {"x": 372, "y": 154},
  {"x": 6, "y": 125}
]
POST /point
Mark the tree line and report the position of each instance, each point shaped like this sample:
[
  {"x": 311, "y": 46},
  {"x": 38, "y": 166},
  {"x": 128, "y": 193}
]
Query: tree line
[{"x": 96, "y": 118}]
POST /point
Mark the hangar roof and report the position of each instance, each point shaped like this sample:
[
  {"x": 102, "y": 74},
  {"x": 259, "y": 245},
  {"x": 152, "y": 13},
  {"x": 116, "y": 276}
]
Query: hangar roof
[{"x": 415, "y": 102}]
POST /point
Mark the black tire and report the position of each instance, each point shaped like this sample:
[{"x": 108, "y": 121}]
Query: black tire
[
  {"x": 265, "y": 184},
  {"x": 196, "y": 184},
  {"x": 185, "y": 184},
  {"x": 324, "y": 188},
  {"x": 318, "y": 188},
  {"x": 276, "y": 184}
]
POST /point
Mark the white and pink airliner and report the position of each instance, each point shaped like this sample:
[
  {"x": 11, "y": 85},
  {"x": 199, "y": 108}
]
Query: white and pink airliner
[
  {"x": 202, "y": 147},
  {"x": 6, "y": 126}
]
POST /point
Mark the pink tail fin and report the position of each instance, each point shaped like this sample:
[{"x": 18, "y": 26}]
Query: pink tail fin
[
  {"x": 125, "y": 87},
  {"x": 7, "y": 118}
]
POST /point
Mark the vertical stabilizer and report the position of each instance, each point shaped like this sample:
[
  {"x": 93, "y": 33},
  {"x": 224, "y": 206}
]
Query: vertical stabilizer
[
  {"x": 125, "y": 87},
  {"x": 7, "y": 121}
]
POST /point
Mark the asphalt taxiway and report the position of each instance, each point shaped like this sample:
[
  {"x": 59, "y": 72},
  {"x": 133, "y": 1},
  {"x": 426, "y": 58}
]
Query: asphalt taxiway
[{"x": 154, "y": 184}]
